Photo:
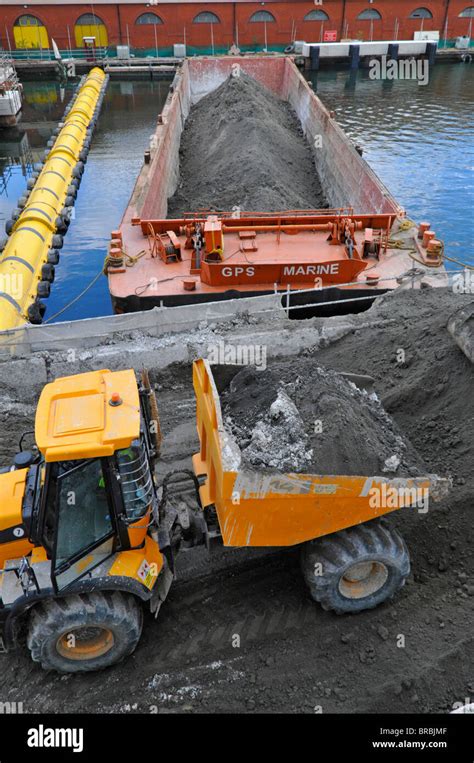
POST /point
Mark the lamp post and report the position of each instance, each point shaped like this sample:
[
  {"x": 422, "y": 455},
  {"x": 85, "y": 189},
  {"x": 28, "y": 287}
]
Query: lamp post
[
  {"x": 156, "y": 39},
  {"x": 264, "y": 31}
]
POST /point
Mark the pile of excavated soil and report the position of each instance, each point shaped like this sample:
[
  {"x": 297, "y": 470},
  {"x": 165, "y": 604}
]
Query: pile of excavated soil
[
  {"x": 423, "y": 379},
  {"x": 242, "y": 146},
  {"x": 298, "y": 416}
]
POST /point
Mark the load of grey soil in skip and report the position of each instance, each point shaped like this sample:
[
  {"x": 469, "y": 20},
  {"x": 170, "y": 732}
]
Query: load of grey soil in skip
[
  {"x": 297, "y": 416},
  {"x": 243, "y": 147}
]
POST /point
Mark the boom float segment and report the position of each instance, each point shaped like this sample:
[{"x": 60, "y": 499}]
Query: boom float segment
[{"x": 36, "y": 231}]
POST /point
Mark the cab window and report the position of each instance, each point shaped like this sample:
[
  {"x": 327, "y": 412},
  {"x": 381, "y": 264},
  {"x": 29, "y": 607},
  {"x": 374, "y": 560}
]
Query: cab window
[
  {"x": 136, "y": 479},
  {"x": 83, "y": 509}
]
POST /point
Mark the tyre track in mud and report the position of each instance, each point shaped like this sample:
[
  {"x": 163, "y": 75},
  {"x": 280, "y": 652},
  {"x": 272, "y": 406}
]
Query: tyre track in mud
[
  {"x": 288, "y": 635},
  {"x": 284, "y": 638}
]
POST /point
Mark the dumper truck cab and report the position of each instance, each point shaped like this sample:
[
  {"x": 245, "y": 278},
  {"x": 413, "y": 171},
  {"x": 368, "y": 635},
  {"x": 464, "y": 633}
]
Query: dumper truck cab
[
  {"x": 88, "y": 539},
  {"x": 75, "y": 520}
]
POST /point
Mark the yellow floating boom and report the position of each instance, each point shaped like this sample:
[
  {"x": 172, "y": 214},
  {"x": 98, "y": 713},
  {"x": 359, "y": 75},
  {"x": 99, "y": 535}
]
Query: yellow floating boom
[{"x": 31, "y": 252}]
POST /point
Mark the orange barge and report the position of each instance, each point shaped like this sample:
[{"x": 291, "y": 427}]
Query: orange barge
[{"x": 361, "y": 247}]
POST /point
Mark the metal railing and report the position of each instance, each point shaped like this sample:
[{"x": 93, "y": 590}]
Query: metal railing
[
  {"x": 46, "y": 54},
  {"x": 8, "y": 68}
]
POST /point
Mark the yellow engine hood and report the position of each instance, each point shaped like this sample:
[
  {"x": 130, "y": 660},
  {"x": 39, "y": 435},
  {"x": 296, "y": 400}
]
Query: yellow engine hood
[
  {"x": 14, "y": 541},
  {"x": 12, "y": 490}
]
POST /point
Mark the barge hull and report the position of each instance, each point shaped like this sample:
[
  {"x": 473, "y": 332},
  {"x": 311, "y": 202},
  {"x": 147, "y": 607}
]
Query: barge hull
[{"x": 322, "y": 302}]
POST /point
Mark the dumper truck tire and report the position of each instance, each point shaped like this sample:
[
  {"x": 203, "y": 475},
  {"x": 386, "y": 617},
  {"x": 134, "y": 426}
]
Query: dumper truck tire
[
  {"x": 357, "y": 568},
  {"x": 84, "y": 632}
]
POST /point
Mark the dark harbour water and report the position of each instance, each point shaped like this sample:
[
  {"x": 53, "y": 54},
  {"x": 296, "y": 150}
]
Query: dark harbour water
[{"x": 419, "y": 140}]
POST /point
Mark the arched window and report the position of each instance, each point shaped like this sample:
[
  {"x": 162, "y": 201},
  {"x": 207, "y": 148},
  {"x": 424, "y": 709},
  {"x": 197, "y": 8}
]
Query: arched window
[
  {"x": 467, "y": 13},
  {"x": 369, "y": 15},
  {"x": 206, "y": 17},
  {"x": 30, "y": 32},
  {"x": 28, "y": 20},
  {"x": 89, "y": 19},
  {"x": 421, "y": 13},
  {"x": 262, "y": 16},
  {"x": 90, "y": 25},
  {"x": 316, "y": 16},
  {"x": 149, "y": 18}
]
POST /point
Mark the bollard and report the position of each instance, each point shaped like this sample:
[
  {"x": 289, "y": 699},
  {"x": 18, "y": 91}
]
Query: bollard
[
  {"x": 354, "y": 56},
  {"x": 392, "y": 52},
  {"x": 431, "y": 48},
  {"x": 314, "y": 57}
]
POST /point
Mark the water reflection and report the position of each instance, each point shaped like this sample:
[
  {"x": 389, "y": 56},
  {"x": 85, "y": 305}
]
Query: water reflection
[
  {"x": 127, "y": 120},
  {"x": 419, "y": 140}
]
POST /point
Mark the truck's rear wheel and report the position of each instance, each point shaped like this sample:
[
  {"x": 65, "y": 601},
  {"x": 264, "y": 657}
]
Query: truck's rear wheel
[
  {"x": 357, "y": 568},
  {"x": 84, "y": 632}
]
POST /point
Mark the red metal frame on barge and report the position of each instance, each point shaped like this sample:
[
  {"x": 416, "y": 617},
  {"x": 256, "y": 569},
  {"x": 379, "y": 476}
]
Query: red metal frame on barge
[{"x": 314, "y": 255}]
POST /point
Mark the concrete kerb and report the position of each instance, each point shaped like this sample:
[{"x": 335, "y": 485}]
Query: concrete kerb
[
  {"x": 21, "y": 378},
  {"x": 91, "y": 332}
]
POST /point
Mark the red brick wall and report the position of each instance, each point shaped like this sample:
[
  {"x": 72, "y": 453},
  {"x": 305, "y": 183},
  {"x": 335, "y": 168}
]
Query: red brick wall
[
  {"x": 57, "y": 19},
  {"x": 177, "y": 17},
  {"x": 392, "y": 12}
]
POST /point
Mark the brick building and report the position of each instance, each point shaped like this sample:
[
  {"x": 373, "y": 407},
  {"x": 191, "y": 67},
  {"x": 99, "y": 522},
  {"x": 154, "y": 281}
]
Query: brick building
[{"x": 214, "y": 25}]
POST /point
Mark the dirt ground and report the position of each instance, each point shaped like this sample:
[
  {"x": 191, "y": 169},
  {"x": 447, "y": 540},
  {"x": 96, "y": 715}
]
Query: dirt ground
[
  {"x": 228, "y": 152},
  {"x": 239, "y": 632}
]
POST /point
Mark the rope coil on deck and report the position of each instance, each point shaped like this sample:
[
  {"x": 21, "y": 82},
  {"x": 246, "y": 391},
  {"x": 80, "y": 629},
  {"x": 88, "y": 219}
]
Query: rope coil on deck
[
  {"x": 121, "y": 260},
  {"x": 405, "y": 225}
]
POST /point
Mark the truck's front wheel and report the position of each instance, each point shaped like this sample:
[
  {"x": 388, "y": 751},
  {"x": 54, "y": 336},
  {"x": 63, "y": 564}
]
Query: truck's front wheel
[
  {"x": 84, "y": 632},
  {"x": 357, "y": 568}
]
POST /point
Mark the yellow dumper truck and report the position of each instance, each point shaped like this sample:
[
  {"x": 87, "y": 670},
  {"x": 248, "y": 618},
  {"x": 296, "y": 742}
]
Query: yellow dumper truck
[{"x": 88, "y": 538}]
